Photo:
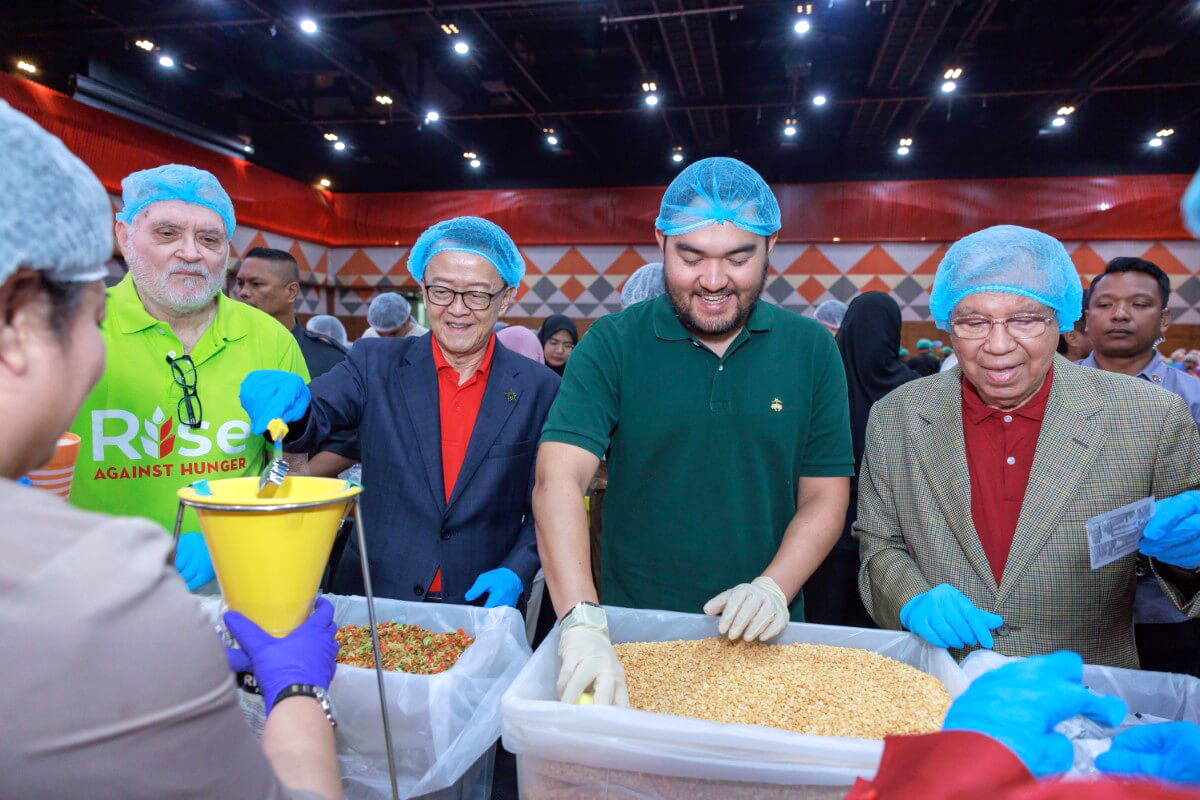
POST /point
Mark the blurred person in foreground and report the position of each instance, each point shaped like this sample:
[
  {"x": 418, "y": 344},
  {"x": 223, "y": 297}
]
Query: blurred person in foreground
[
  {"x": 447, "y": 424},
  {"x": 558, "y": 336},
  {"x": 165, "y": 411},
  {"x": 521, "y": 340},
  {"x": 330, "y": 327},
  {"x": 725, "y": 423},
  {"x": 868, "y": 339},
  {"x": 1004, "y": 460},
  {"x": 115, "y": 685},
  {"x": 998, "y": 742}
]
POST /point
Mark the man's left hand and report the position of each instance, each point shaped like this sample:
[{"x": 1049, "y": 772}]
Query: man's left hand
[
  {"x": 755, "y": 610},
  {"x": 502, "y": 586},
  {"x": 1173, "y": 534}
]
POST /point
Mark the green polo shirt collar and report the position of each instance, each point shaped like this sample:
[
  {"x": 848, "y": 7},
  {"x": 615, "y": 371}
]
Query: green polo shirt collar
[
  {"x": 668, "y": 327},
  {"x": 130, "y": 316}
]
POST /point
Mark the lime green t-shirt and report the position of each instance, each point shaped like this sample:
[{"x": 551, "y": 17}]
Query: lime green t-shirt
[{"x": 135, "y": 451}]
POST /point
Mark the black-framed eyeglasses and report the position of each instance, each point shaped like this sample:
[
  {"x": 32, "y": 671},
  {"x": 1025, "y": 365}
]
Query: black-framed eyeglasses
[
  {"x": 189, "y": 411},
  {"x": 474, "y": 300},
  {"x": 1023, "y": 326}
]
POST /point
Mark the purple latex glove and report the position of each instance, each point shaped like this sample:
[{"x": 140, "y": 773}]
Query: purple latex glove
[{"x": 306, "y": 655}]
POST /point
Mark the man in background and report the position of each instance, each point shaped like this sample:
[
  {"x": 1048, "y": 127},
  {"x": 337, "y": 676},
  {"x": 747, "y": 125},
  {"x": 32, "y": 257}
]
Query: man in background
[
  {"x": 269, "y": 280},
  {"x": 390, "y": 316},
  {"x": 1126, "y": 317},
  {"x": 1074, "y": 345},
  {"x": 924, "y": 363}
]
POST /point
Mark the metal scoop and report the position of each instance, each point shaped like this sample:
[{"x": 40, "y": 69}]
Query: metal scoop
[{"x": 274, "y": 473}]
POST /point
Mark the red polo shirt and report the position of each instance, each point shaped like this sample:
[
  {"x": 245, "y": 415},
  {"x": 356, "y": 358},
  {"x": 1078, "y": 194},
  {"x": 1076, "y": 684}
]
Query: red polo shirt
[
  {"x": 458, "y": 408},
  {"x": 1000, "y": 448}
]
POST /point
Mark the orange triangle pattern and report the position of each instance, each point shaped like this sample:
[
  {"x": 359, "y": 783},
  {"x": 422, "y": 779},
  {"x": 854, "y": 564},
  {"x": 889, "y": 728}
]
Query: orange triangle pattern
[
  {"x": 1087, "y": 261},
  {"x": 929, "y": 265},
  {"x": 625, "y": 263},
  {"x": 876, "y": 284},
  {"x": 877, "y": 262},
  {"x": 812, "y": 262},
  {"x": 1164, "y": 258}
]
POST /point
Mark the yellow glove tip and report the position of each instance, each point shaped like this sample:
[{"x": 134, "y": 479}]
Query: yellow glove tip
[{"x": 277, "y": 428}]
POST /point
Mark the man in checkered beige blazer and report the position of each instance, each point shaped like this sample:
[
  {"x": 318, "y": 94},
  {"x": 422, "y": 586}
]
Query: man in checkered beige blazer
[{"x": 947, "y": 549}]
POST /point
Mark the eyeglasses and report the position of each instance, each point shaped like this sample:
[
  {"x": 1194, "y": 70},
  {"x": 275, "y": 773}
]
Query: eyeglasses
[
  {"x": 1025, "y": 326},
  {"x": 474, "y": 300},
  {"x": 189, "y": 410}
]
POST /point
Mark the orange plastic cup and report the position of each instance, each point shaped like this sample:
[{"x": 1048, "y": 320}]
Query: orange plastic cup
[{"x": 56, "y": 474}]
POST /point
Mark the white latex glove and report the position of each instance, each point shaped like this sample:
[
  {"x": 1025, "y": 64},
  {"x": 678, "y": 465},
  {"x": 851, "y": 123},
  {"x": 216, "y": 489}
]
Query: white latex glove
[
  {"x": 588, "y": 659},
  {"x": 755, "y": 610}
]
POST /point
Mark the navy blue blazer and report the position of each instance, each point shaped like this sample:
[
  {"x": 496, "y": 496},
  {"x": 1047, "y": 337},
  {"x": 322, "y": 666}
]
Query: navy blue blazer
[{"x": 387, "y": 390}]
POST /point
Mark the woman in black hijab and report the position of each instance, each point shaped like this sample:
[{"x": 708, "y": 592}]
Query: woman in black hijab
[
  {"x": 869, "y": 341},
  {"x": 558, "y": 336}
]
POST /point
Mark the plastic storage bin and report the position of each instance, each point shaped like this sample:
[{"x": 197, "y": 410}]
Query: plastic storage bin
[{"x": 602, "y": 752}]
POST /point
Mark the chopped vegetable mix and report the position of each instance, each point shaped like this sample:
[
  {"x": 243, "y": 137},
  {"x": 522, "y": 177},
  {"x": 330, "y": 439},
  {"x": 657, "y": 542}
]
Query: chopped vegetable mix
[{"x": 406, "y": 648}]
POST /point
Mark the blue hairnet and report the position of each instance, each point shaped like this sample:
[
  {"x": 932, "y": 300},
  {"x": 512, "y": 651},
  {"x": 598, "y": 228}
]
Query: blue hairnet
[
  {"x": 1013, "y": 260},
  {"x": 718, "y": 190},
  {"x": 468, "y": 235},
  {"x": 328, "y": 325},
  {"x": 1190, "y": 206},
  {"x": 936, "y": 344},
  {"x": 903, "y": 352},
  {"x": 175, "y": 182},
  {"x": 645, "y": 283},
  {"x": 924, "y": 344},
  {"x": 831, "y": 313},
  {"x": 388, "y": 311},
  {"x": 54, "y": 214}
]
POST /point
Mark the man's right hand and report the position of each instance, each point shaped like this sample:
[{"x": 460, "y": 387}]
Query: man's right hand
[
  {"x": 268, "y": 394},
  {"x": 945, "y": 617},
  {"x": 588, "y": 659}
]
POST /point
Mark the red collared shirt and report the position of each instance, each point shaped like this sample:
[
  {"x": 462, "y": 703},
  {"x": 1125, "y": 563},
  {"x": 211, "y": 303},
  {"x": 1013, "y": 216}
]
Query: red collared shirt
[
  {"x": 458, "y": 408},
  {"x": 1000, "y": 448}
]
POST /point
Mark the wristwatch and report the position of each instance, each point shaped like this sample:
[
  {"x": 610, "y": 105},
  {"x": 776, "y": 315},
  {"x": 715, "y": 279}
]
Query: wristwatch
[
  {"x": 308, "y": 690},
  {"x": 587, "y": 613}
]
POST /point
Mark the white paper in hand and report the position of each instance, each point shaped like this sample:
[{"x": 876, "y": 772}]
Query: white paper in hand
[{"x": 1117, "y": 533}]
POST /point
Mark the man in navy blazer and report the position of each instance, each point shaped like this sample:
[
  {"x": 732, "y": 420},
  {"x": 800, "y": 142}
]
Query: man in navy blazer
[{"x": 448, "y": 425}]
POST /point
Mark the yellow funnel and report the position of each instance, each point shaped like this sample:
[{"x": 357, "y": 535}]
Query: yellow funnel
[{"x": 269, "y": 552}]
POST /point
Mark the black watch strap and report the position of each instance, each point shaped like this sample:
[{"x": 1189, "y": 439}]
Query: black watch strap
[{"x": 308, "y": 690}]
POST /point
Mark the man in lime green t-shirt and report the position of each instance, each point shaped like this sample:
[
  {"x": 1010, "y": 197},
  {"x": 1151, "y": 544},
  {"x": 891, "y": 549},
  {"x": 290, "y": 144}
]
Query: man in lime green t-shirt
[{"x": 166, "y": 411}]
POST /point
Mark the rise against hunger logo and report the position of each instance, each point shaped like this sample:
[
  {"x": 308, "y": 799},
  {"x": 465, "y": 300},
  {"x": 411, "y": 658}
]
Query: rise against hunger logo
[{"x": 121, "y": 436}]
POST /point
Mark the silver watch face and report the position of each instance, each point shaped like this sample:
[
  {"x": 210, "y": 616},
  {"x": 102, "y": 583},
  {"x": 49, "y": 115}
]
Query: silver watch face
[{"x": 589, "y": 615}]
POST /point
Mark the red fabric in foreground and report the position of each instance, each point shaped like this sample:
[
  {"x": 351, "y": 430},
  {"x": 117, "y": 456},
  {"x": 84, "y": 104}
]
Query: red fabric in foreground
[
  {"x": 960, "y": 765},
  {"x": 1138, "y": 207}
]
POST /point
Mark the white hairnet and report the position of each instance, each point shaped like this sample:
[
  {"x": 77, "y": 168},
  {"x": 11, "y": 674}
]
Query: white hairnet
[
  {"x": 1012, "y": 260},
  {"x": 388, "y": 311},
  {"x": 328, "y": 325},
  {"x": 54, "y": 214},
  {"x": 645, "y": 283},
  {"x": 831, "y": 313}
]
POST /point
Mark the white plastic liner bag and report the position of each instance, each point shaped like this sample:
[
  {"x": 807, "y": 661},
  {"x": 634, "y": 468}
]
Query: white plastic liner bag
[{"x": 593, "y": 750}]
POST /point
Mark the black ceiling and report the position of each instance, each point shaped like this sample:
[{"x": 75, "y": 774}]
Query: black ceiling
[{"x": 730, "y": 72}]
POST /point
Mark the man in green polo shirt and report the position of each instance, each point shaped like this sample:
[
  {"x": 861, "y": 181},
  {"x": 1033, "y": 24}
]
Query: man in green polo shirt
[
  {"x": 166, "y": 411},
  {"x": 725, "y": 423}
]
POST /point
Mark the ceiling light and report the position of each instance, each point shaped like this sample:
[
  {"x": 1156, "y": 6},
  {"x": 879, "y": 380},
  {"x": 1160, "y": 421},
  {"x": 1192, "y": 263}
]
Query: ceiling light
[
  {"x": 449, "y": 28},
  {"x": 802, "y": 26},
  {"x": 476, "y": 163},
  {"x": 469, "y": 155},
  {"x": 649, "y": 87},
  {"x": 308, "y": 26},
  {"x": 905, "y": 146},
  {"x": 677, "y": 154},
  {"x": 1155, "y": 142},
  {"x": 145, "y": 44},
  {"x": 331, "y": 137},
  {"x": 1165, "y": 132},
  {"x": 1058, "y": 122},
  {"x": 1065, "y": 111},
  {"x": 325, "y": 182},
  {"x": 902, "y": 150},
  {"x": 339, "y": 146},
  {"x": 552, "y": 140},
  {"x": 953, "y": 73},
  {"x": 789, "y": 127},
  {"x": 246, "y": 148},
  {"x": 432, "y": 116},
  {"x": 383, "y": 100},
  {"x": 25, "y": 66},
  {"x": 166, "y": 61},
  {"x": 651, "y": 100},
  {"x": 837, "y": 238},
  {"x": 948, "y": 87},
  {"x": 461, "y": 47},
  {"x": 1103, "y": 207},
  {"x": 819, "y": 100}
]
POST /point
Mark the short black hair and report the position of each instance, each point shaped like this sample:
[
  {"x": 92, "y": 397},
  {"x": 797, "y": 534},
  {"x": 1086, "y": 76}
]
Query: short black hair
[
  {"x": 1130, "y": 264},
  {"x": 277, "y": 257}
]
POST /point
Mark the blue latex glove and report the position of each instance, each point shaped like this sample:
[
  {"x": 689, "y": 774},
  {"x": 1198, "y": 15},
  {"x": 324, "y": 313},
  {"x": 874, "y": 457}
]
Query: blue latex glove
[
  {"x": 945, "y": 617},
  {"x": 192, "y": 561},
  {"x": 1019, "y": 704},
  {"x": 270, "y": 393},
  {"x": 306, "y": 655},
  {"x": 1170, "y": 751},
  {"x": 502, "y": 586},
  {"x": 1173, "y": 534}
]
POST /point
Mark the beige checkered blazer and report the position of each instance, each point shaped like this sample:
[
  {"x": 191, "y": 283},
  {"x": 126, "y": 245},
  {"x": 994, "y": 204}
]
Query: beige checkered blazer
[{"x": 1106, "y": 440}]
